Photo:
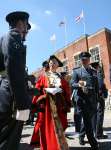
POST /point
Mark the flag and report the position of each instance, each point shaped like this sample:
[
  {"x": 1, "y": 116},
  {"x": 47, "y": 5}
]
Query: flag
[
  {"x": 78, "y": 18},
  {"x": 53, "y": 37},
  {"x": 62, "y": 23}
]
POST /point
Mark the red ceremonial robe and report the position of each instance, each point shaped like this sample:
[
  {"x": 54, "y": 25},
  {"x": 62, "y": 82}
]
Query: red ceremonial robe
[{"x": 45, "y": 121}]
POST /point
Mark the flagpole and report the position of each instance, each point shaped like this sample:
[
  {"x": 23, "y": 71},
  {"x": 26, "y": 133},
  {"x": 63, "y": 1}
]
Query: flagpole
[
  {"x": 65, "y": 30},
  {"x": 84, "y": 24}
]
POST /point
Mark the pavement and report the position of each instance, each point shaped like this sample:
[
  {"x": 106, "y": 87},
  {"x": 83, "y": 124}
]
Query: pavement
[{"x": 72, "y": 136}]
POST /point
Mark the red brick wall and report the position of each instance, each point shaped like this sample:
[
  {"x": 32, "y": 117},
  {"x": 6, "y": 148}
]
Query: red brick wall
[
  {"x": 108, "y": 61},
  {"x": 101, "y": 39}
]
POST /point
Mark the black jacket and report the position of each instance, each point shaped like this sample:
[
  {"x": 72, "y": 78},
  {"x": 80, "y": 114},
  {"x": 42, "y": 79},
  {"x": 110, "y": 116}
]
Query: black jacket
[{"x": 13, "y": 54}]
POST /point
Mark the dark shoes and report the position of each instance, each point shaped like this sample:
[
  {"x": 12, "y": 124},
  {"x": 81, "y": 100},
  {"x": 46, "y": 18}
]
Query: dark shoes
[
  {"x": 102, "y": 137},
  {"x": 81, "y": 141},
  {"x": 32, "y": 124},
  {"x": 35, "y": 144},
  {"x": 95, "y": 148}
]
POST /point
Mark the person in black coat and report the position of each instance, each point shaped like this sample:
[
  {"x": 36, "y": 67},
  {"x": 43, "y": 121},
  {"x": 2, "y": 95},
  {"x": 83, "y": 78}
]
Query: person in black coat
[
  {"x": 84, "y": 81},
  {"x": 14, "y": 100},
  {"x": 103, "y": 93}
]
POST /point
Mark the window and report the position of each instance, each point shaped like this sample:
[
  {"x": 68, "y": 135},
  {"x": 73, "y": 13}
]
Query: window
[
  {"x": 77, "y": 61},
  {"x": 95, "y": 56},
  {"x": 65, "y": 67}
]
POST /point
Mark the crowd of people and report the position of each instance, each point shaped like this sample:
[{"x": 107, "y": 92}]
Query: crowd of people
[{"x": 50, "y": 96}]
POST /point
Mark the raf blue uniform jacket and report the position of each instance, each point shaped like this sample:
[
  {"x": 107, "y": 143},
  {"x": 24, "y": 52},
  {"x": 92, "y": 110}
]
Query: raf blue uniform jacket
[{"x": 89, "y": 76}]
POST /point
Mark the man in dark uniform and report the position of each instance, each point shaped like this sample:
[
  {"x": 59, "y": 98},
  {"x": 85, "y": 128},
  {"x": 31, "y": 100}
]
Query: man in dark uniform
[
  {"x": 103, "y": 93},
  {"x": 84, "y": 79},
  {"x": 13, "y": 92},
  {"x": 45, "y": 66}
]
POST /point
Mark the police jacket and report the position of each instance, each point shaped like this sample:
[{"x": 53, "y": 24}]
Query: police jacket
[
  {"x": 13, "y": 61},
  {"x": 90, "y": 77}
]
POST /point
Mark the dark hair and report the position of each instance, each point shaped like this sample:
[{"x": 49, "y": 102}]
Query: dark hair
[{"x": 45, "y": 64}]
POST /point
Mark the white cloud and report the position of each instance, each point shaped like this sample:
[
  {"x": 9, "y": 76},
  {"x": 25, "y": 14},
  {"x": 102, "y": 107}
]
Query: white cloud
[
  {"x": 48, "y": 12},
  {"x": 34, "y": 26}
]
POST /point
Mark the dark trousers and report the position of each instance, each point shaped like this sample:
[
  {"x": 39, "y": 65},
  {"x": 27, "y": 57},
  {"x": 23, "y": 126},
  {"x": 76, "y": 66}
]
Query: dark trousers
[
  {"x": 88, "y": 113},
  {"x": 10, "y": 134},
  {"x": 31, "y": 119},
  {"x": 10, "y": 129},
  {"x": 100, "y": 117},
  {"x": 77, "y": 119},
  {"x": 82, "y": 127}
]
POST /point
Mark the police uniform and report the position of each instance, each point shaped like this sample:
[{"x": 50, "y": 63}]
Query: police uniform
[
  {"x": 13, "y": 93},
  {"x": 101, "y": 101},
  {"x": 86, "y": 98}
]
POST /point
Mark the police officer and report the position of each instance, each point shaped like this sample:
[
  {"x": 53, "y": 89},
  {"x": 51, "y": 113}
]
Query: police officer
[
  {"x": 13, "y": 93},
  {"x": 103, "y": 93},
  {"x": 84, "y": 79}
]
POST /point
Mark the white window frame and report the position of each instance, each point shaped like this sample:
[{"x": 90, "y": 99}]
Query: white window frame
[
  {"x": 65, "y": 67},
  {"x": 96, "y": 46},
  {"x": 76, "y": 54}
]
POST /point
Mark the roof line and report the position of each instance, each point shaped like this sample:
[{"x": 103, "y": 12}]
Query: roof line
[{"x": 82, "y": 37}]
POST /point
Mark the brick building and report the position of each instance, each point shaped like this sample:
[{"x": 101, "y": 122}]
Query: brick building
[{"x": 98, "y": 44}]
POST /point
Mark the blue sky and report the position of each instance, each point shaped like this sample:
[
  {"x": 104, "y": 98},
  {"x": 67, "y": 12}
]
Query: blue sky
[{"x": 45, "y": 15}]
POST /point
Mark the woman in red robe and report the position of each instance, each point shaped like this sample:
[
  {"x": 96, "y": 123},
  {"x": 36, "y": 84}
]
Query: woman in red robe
[{"x": 52, "y": 118}]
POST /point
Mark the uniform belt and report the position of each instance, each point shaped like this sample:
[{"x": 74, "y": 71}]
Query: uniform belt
[{"x": 90, "y": 88}]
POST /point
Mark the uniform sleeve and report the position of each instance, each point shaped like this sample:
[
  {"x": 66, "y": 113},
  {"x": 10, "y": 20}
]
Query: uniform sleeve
[
  {"x": 97, "y": 85},
  {"x": 16, "y": 61},
  {"x": 2, "y": 66},
  {"x": 100, "y": 80},
  {"x": 74, "y": 80}
]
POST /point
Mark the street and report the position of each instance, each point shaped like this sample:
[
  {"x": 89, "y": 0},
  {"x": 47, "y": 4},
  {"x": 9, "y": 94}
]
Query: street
[{"x": 72, "y": 137}]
